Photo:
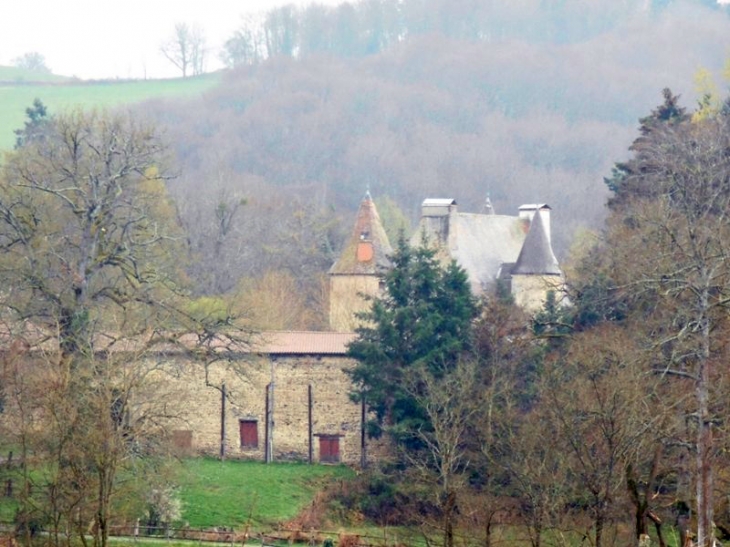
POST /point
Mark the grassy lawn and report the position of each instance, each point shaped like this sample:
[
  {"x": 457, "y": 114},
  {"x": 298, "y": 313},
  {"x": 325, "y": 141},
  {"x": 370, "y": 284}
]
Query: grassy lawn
[
  {"x": 218, "y": 493},
  {"x": 215, "y": 493},
  {"x": 7, "y": 510},
  {"x": 58, "y": 95}
]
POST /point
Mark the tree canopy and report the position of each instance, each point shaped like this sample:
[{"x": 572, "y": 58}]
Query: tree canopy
[
  {"x": 92, "y": 284},
  {"x": 663, "y": 262},
  {"x": 37, "y": 115},
  {"x": 32, "y": 61},
  {"x": 86, "y": 227}
]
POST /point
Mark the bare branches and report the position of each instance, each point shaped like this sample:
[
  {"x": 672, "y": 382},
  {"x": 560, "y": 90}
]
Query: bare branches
[{"x": 186, "y": 49}]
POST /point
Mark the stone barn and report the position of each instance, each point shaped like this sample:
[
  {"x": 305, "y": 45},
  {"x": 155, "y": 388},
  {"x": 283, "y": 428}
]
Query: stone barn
[
  {"x": 286, "y": 395},
  {"x": 289, "y": 400}
]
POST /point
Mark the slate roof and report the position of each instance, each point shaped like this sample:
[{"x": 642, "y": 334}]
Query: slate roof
[
  {"x": 368, "y": 229},
  {"x": 489, "y": 245},
  {"x": 482, "y": 243},
  {"x": 536, "y": 256},
  {"x": 479, "y": 243}
]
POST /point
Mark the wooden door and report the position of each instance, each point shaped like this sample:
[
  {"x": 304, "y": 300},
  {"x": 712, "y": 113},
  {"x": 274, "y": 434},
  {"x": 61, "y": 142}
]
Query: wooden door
[
  {"x": 329, "y": 449},
  {"x": 249, "y": 433}
]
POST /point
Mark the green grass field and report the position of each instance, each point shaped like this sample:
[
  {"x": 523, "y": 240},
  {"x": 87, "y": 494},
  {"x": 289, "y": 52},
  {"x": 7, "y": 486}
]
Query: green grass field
[
  {"x": 20, "y": 75},
  {"x": 218, "y": 493},
  {"x": 232, "y": 493},
  {"x": 59, "y": 94}
]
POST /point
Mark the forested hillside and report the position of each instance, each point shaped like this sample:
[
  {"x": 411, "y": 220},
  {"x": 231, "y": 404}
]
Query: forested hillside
[{"x": 275, "y": 160}]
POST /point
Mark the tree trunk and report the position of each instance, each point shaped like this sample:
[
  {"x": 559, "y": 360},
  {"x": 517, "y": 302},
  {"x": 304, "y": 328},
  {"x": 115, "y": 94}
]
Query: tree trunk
[
  {"x": 704, "y": 433},
  {"x": 599, "y": 521},
  {"x": 658, "y": 526},
  {"x": 449, "y": 519},
  {"x": 642, "y": 510}
]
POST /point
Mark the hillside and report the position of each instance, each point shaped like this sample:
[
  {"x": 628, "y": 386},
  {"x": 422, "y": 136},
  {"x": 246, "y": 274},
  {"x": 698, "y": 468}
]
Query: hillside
[
  {"x": 299, "y": 141},
  {"x": 274, "y": 157},
  {"x": 19, "y": 88},
  {"x": 15, "y": 75}
]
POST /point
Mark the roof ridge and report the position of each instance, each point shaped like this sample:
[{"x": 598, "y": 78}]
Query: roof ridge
[{"x": 299, "y": 331}]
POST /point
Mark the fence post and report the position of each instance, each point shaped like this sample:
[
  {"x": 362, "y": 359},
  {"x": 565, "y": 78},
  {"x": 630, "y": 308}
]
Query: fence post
[
  {"x": 363, "y": 433},
  {"x": 223, "y": 422},
  {"x": 310, "y": 423}
]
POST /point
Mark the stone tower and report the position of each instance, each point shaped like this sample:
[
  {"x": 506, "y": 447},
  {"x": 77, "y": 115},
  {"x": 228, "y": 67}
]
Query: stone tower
[
  {"x": 536, "y": 271},
  {"x": 357, "y": 271}
]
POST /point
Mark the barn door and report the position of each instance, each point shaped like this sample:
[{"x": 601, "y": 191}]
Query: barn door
[
  {"x": 249, "y": 433},
  {"x": 329, "y": 449}
]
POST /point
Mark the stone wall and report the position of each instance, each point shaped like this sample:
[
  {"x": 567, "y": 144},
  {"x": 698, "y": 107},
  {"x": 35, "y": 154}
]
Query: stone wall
[
  {"x": 530, "y": 291},
  {"x": 346, "y": 300},
  {"x": 196, "y": 408}
]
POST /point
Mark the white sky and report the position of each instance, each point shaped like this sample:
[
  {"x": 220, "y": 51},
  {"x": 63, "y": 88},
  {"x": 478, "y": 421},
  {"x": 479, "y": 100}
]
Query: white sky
[{"x": 117, "y": 38}]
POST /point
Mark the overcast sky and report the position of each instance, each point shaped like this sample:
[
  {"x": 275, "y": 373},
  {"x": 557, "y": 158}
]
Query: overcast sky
[{"x": 116, "y": 38}]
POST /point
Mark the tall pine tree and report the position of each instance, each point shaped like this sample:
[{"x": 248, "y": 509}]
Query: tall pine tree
[{"x": 425, "y": 320}]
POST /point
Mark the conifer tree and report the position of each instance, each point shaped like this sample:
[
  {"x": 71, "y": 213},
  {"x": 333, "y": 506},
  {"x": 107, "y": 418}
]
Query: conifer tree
[{"x": 423, "y": 320}]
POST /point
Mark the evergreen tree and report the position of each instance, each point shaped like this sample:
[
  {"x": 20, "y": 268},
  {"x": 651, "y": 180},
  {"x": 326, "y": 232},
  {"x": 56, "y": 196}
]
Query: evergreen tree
[
  {"x": 626, "y": 176},
  {"x": 35, "y": 126},
  {"x": 423, "y": 320}
]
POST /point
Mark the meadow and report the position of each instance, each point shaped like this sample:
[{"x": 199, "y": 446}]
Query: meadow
[
  {"x": 216, "y": 493},
  {"x": 231, "y": 494},
  {"x": 19, "y": 88}
]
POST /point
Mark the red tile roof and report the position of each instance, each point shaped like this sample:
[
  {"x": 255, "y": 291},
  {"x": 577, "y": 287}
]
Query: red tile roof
[
  {"x": 265, "y": 343},
  {"x": 303, "y": 342}
]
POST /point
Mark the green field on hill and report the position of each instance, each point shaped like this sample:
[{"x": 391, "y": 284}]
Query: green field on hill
[
  {"x": 216, "y": 493},
  {"x": 17, "y": 92}
]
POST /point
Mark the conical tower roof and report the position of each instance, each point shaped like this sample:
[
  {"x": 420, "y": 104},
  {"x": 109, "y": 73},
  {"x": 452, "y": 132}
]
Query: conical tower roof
[
  {"x": 536, "y": 256},
  {"x": 368, "y": 249}
]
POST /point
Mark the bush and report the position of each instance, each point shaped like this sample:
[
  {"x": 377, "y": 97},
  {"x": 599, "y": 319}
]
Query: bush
[{"x": 383, "y": 498}]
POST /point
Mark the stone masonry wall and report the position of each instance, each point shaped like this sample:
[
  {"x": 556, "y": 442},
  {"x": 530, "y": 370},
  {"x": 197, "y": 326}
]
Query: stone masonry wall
[
  {"x": 345, "y": 299},
  {"x": 530, "y": 291},
  {"x": 197, "y": 408}
]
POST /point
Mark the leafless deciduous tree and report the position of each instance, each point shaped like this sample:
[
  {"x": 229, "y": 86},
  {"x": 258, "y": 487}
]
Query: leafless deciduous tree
[
  {"x": 89, "y": 255},
  {"x": 450, "y": 401},
  {"x": 186, "y": 49},
  {"x": 246, "y": 45},
  {"x": 671, "y": 235},
  {"x": 608, "y": 415}
]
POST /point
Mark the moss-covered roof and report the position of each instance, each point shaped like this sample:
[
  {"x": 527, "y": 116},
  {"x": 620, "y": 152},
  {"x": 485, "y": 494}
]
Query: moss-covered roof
[{"x": 367, "y": 250}]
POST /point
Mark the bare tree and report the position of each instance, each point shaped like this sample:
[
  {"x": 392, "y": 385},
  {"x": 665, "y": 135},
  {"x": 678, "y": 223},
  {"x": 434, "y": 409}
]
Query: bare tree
[
  {"x": 246, "y": 45},
  {"x": 89, "y": 252},
  {"x": 33, "y": 61},
  {"x": 671, "y": 237},
  {"x": 186, "y": 49},
  {"x": 450, "y": 400},
  {"x": 608, "y": 415}
]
